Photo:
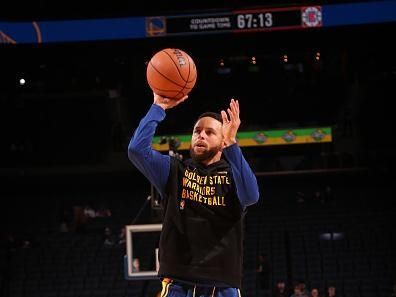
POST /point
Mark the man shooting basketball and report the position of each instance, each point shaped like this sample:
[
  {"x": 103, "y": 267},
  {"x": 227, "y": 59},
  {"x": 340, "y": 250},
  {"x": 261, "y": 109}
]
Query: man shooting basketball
[{"x": 204, "y": 201}]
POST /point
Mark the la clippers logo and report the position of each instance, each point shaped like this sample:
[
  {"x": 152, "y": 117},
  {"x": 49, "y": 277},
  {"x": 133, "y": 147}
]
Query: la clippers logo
[{"x": 311, "y": 16}]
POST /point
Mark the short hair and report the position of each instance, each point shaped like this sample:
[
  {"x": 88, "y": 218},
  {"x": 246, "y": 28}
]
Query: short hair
[{"x": 211, "y": 114}]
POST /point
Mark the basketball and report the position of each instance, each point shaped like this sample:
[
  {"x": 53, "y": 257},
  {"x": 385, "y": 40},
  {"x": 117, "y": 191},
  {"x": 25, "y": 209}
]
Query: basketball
[{"x": 171, "y": 73}]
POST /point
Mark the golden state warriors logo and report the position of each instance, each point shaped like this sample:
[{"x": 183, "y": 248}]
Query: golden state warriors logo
[
  {"x": 155, "y": 26},
  {"x": 311, "y": 16},
  {"x": 23, "y": 33}
]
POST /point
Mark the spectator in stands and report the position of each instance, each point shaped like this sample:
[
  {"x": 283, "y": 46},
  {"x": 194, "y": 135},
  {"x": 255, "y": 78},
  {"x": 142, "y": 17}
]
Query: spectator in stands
[
  {"x": 314, "y": 292},
  {"x": 26, "y": 243},
  {"x": 79, "y": 221},
  {"x": 280, "y": 289},
  {"x": 300, "y": 197},
  {"x": 89, "y": 212},
  {"x": 393, "y": 290},
  {"x": 331, "y": 291},
  {"x": 66, "y": 219},
  {"x": 135, "y": 265},
  {"x": 299, "y": 290},
  {"x": 263, "y": 272},
  {"x": 122, "y": 236},
  {"x": 318, "y": 197},
  {"x": 304, "y": 288},
  {"x": 108, "y": 237},
  {"x": 204, "y": 201}
]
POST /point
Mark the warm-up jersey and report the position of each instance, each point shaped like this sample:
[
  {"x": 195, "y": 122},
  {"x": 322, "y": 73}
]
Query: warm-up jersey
[
  {"x": 202, "y": 230},
  {"x": 204, "y": 206}
]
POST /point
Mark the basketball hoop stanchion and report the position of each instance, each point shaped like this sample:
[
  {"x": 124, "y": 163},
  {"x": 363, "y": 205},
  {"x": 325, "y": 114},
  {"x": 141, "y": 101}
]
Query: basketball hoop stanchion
[{"x": 129, "y": 274}]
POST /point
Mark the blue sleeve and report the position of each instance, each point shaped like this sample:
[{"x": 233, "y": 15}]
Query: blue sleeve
[
  {"x": 154, "y": 165},
  {"x": 245, "y": 180}
]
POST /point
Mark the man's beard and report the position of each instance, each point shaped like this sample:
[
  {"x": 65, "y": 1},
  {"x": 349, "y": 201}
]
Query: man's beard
[{"x": 207, "y": 155}]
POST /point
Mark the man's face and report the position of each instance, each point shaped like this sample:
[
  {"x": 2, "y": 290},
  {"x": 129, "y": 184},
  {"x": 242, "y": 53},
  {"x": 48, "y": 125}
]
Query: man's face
[
  {"x": 281, "y": 285},
  {"x": 297, "y": 291},
  {"x": 315, "y": 292},
  {"x": 207, "y": 139}
]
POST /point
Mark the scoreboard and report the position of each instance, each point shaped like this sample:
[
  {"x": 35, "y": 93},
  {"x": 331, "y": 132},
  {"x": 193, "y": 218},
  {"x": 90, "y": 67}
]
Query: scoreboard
[
  {"x": 228, "y": 21},
  {"x": 290, "y": 18}
]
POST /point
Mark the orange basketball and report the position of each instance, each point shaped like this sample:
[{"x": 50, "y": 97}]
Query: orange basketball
[{"x": 171, "y": 73}]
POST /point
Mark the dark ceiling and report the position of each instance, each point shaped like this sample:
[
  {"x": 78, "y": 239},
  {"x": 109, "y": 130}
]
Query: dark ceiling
[{"x": 49, "y": 9}]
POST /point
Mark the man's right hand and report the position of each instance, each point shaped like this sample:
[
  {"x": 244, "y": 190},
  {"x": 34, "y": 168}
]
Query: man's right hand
[{"x": 167, "y": 103}]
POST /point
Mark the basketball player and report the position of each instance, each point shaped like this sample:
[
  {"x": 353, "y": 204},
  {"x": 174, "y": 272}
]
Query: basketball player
[{"x": 204, "y": 201}]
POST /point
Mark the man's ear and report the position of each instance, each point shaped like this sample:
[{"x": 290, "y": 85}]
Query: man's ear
[{"x": 223, "y": 145}]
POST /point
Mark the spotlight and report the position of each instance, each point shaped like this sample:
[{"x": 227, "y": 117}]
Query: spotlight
[{"x": 222, "y": 68}]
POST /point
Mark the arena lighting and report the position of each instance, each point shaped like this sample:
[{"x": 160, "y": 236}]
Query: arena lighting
[
  {"x": 332, "y": 236},
  {"x": 22, "y": 81},
  {"x": 285, "y": 58},
  {"x": 222, "y": 68},
  {"x": 253, "y": 66}
]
